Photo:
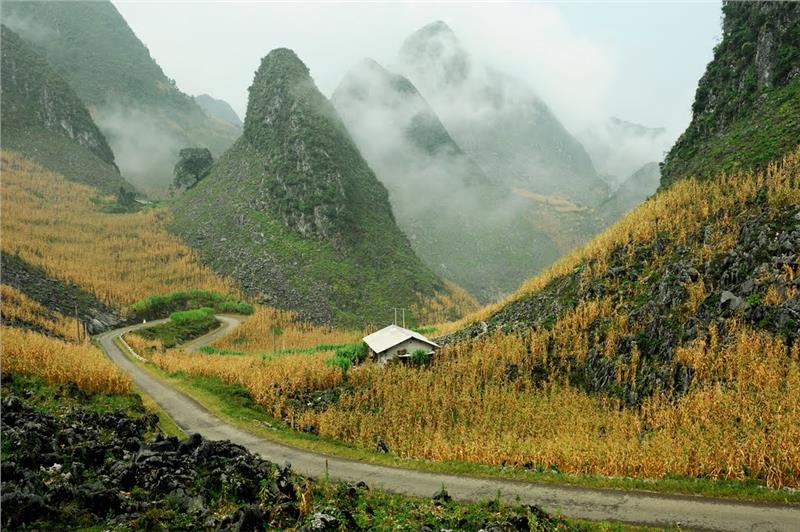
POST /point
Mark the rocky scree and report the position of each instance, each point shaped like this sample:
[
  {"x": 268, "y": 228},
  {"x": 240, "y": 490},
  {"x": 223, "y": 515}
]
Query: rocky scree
[
  {"x": 736, "y": 282},
  {"x": 86, "y": 468}
]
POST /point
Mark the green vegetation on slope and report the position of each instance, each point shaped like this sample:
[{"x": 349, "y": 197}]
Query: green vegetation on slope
[
  {"x": 294, "y": 213},
  {"x": 44, "y": 119},
  {"x": 747, "y": 106},
  {"x": 182, "y": 326},
  {"x": 463, "y": 226},
  {"x": 160, "y": 305},
  {"x": 135, "y": 104}
]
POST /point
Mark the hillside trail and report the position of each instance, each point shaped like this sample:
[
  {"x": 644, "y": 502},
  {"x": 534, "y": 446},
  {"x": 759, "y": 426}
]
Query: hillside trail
[{"x": 635, "y": 507}]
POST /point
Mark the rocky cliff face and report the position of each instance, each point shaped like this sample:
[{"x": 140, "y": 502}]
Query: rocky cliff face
[
  {"x": 297, "y": 131},
  {"x": 747, "y": 102},
  {"x": 37, "y": 105},
  {"x": 135, "y": 104},
  {"x": 293, "y": 211}
]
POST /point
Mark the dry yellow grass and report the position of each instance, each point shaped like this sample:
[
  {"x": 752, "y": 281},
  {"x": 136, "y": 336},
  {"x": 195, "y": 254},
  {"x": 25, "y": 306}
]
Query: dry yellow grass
[
  {"x": 18, "y": 306},
  {"x": 681, "y": 210},
  {"x": 739, "y": 419},
  {"x": 143, "y": 346},
  {"x": 272, "y": 382},
  {"x": 56, "y": 361},
  {"x": 256, "y": 333},
  {"x": 52, "y": 223}
]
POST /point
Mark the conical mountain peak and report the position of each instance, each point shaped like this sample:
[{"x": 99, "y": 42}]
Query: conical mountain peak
[
  {"x": 436, "y": 49},
  {"x": 281, "y": 81}
]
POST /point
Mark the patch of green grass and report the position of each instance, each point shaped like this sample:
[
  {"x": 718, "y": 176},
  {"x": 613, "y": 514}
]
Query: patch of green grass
[
  {"x": 207, "y": 349},
  {"x": 158, "y": 306},
  {"x": 233, "y": 404},
  {"x": 58, "y": 398},
  {"x": 181, "y": 327}
]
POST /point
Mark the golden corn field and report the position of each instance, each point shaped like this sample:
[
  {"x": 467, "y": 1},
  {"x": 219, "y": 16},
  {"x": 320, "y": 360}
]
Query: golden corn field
[
  {"x": 739, "y": 419},
  {"x": 18, "y": 306},
  {"x": 55, "y": 361},
  {"x": 681, "y": 211},
  {"x": 53, "y": 223},
  {"x": 256, "y": 334}
]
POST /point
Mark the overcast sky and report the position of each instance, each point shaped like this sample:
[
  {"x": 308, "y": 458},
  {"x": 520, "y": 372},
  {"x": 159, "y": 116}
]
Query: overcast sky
[{"x": 638, "y": 61}]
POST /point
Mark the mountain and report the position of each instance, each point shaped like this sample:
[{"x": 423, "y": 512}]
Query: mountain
[
  {"x": 219, "y": 109},
  {"x": 498, "y": 120},
  {"x": 746, "y": 111},
  {"x": 461, "y": 225},
  {"x": 639, "y": 186},
  {"x": 294, "y": 212},
  {"x": 137, "y": 107},
  {"x": 677, "y": 289},
  {"x": 619, "y": 148},
  {"x": 43, "y": 119}
]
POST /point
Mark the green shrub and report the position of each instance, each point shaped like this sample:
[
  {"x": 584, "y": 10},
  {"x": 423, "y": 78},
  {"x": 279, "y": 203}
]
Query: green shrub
[
  {"x": 186, "y": 316},
  {"x": 355, "y": 353},
  {"x": 182, "y": 326},
  {"x": 160, "y": 305},
  {"x": 420, "y": 357}
]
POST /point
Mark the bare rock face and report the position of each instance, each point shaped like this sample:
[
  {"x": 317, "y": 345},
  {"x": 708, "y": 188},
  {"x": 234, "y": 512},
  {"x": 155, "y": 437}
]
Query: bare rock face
[
  {"x": 746, "y": 100},
  {"x": 307, "y": 188}
]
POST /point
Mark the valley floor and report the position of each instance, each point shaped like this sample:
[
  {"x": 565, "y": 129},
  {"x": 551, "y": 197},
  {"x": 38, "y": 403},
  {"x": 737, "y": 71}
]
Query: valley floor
[{"x": 623, "y": 506}]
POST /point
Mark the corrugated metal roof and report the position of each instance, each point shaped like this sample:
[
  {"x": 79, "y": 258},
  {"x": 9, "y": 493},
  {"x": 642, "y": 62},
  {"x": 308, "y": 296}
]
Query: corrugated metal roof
[{"x": 392, "y": 335}]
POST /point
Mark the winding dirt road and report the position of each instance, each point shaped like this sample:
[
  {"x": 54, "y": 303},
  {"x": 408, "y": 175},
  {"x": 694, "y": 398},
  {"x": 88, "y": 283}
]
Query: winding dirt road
[{"x": 596, "y": 504}]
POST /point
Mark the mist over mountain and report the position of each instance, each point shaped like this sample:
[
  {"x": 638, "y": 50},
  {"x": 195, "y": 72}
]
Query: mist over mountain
[
  {"x": 636, "y": 188},
  {"x": 45, "y": 120},
  {"x": 137, "y": 107},
  {"x": 295, "y": 214},
  {"x": 497, "y": 119},
  {"x": 619, "y": 148},
  {"x": 219, "y": 109},
  {"x": 461, "y": 224}
]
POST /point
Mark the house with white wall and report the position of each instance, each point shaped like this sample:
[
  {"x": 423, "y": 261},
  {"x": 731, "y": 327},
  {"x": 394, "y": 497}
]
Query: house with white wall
[{"x": 395, "y": 342}]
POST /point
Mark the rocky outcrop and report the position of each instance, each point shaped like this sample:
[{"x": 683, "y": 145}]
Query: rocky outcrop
[
  {"x": 89, "y": 469},
  {"x": 746, "y": 102},
  {"x": 765, "y": 250},
  {"x": 295, "y": 214},
  {"x": 33, "y": 95},
  {"x": 297, "y": 131},
  {"x": 44, "y": 119}
]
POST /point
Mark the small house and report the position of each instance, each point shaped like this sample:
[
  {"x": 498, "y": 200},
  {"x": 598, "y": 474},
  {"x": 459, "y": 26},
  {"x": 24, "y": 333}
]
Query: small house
[{"x": 395, "y": 342}]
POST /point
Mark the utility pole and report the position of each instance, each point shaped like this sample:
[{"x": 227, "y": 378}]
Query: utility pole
[
  {"x": 77, "y": 324},
  {"x": 395, "y": 309}
]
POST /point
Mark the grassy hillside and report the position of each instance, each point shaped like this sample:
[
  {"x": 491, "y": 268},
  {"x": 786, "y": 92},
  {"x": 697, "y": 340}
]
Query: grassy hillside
[
  {"x": 43, "y": 118},
  {"x": 294, "y": 213},
  {"x": 747, "y": 106},
  {"x": 138, "y": 108}
]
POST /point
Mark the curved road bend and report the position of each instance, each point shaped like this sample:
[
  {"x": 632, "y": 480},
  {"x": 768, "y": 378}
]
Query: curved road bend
[{"x": 595, "y": 504}]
